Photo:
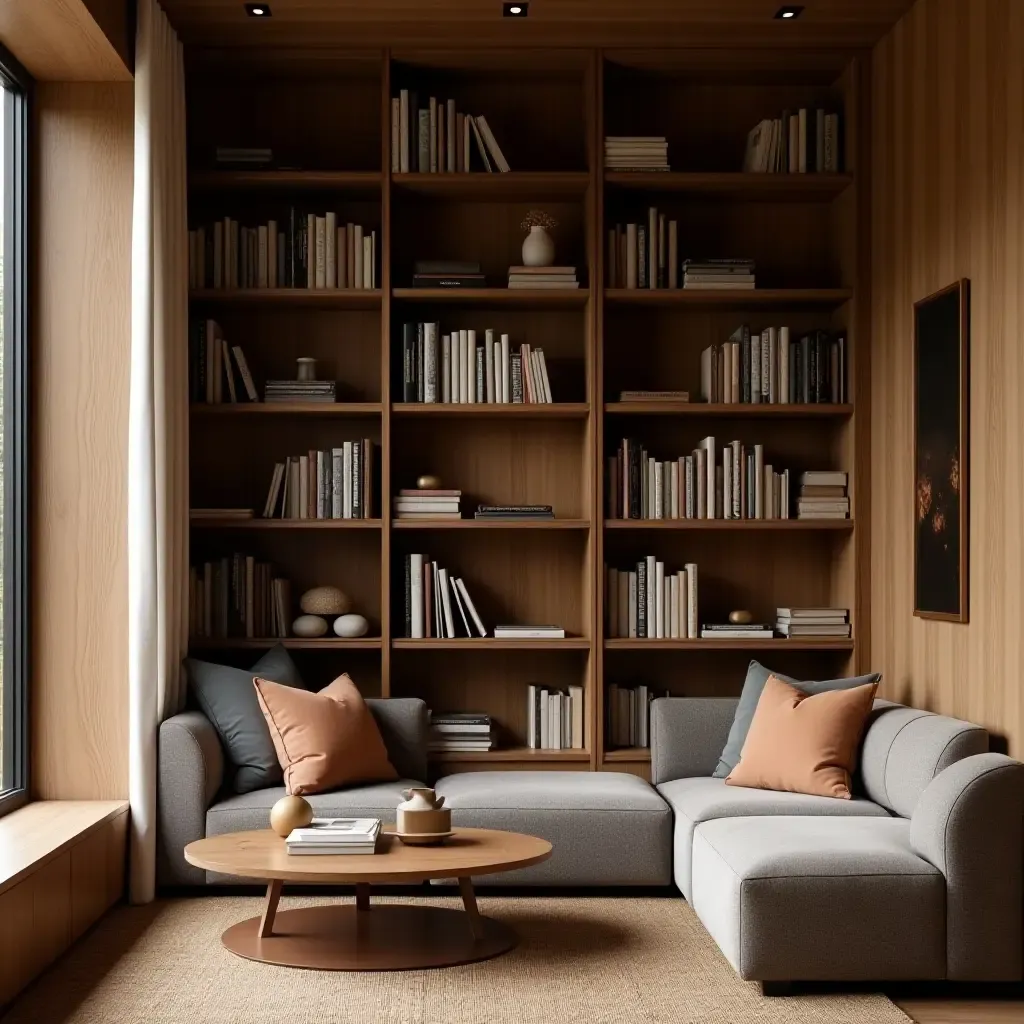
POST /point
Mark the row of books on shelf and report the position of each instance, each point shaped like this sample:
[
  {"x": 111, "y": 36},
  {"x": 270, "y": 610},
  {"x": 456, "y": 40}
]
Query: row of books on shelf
[
  {"x": 217, "y": 372},
  {"x": 636, "y": 153},
  {"x": 554, "y": 718},
  {"x": 429, "y": 135},
  {"x": 238, "y": 595},
  {"x": 460, "y": 731},
  {"x": 737, "y": 484},
  {"x": 418, "y": 503},
  {"x": 470, "y": 367},
  {"x": 771, "y": 367},
  {"x": 307, "y": 250},
  {"x": 798, "y": 142},
  {"x": 336, "y": 483},
  {"x": 628, "y": 715},
  {"x": 648, "y": 600}
]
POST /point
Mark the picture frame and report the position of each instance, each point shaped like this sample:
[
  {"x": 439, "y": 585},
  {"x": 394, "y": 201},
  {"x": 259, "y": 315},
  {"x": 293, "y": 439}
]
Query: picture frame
[{"x": 941, "y": 453}]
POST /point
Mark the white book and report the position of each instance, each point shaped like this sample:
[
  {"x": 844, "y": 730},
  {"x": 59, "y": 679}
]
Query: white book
[
  {"x": 492, "y": 143},
  {"x": 727, "y": 483},
  {"x": 449, "y": 621},
  {"x": 759, "y": 481},
  {"x": 346, "y": 489},
  {"x": 470, "y": 368},
  {"x": 489, "y": 366},
  {"x": 337, "y": 483},
  {"x": 438, "y": 609},
  {"x": 531, "y": 716},
  {"x": 555, "y": 721},
  {"x": 576, "y": 706},
  {"x": 430, "y": 363},
  {"x": 357, "y": 252},
  {"x": 710, "y": 508},
  {"x": 673, "y": 618},
  {"x": 681, "y": 611},
  {"x": 769, "y": 493},
  {"x": 659, "y": 491},
  {"x": 416, "y": 594},
  {"x": 470, "y": 607},
  {"x": 330, "y": 250},
  {"x": 320, "y": 270},
  {"x": 773, "y": 365},
  {"x": 659, "y": 600},
  {"x": 498, "y": 371},
  {"x": 735, "y": 453},
  {"x": 456, "y": 369},
  {"x": 465, "y": 367},
  {"x": 321, "y": 512},
  {"x": 463, "y": 617},
  {"x": 691, "y": 600},
  {"x": 506, "y": 370},
  {"x": 545, "y": 380},
  {"x": 446, "y": 368},
  {"x": 544, "y": 725},
  {"x": 784, "y": 365},
  {"x": 651, "y": 610}
]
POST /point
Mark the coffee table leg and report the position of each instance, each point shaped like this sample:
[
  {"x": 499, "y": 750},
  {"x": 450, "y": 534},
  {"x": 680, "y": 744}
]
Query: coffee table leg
[
  {"x": 476, "y": 925},
  {"x": 362, "y": 897},
  {"x": 270, "y": 909}
]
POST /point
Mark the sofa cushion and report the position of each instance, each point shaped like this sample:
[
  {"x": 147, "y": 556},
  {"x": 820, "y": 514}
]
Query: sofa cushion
[
  {"x": 606, "y": 828},
  {"x": 703, "y": 799},
  {"x": 820, "y": 898},
  {"x": 757, "y": 676},
  {"x": 228, "y": 699},
  {"x": 904, "y": 749}
]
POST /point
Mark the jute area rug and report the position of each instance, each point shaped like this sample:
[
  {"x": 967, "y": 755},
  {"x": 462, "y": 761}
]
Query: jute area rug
[{"x": 580, "y": 961}]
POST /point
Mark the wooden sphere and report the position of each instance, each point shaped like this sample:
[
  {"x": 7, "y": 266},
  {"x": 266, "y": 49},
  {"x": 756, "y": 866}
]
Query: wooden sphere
[
  {"x": 288, "y": 813},
  {"x": 309, "y": 627},
  {"x": 740, "y": 617},
  {"x": 325, "y": 601},
  {"x": 429, "y": 483}
]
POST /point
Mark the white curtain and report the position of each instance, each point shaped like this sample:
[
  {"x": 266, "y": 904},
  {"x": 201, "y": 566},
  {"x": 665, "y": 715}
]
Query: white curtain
[{"x": 157, "y": 424}]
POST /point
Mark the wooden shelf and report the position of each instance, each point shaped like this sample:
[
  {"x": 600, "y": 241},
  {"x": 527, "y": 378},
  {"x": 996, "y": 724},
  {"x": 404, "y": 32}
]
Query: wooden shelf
[
  {"x": 780, "y": 644},
  {"x": 506, "y": 754},
  {"x": 733, "y": 184},
  {"x": 348, "y": 409},
  {"x": 550, "y": 298},
  {"x": 773, "y": 410},
  {"x": 490, "y": 524},
  {"x": 323, "y": 643},
  {"x": 291, "y": 298},
  {"x": 258, "y": 523},
  {"x": 635, "y": 755},
  {"x": 740, "y": 525},
  {"x": 569, "y": 643},
  {"x": 514, "y": 185},
  {"x": 496, "y": 410},
  {"x": 728, "y": 298},
  {"x": 361, "y": 182}
]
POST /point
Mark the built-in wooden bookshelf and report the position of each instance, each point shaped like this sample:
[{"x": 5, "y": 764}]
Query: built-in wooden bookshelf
[{"x": 328, "y": 122}]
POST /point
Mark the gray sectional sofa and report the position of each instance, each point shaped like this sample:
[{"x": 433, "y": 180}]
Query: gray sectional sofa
[{"x": 920, "y": 877}]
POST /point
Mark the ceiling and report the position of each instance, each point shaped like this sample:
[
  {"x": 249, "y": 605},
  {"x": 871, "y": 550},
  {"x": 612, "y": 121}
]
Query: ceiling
[{"x": 697, "y": 23}]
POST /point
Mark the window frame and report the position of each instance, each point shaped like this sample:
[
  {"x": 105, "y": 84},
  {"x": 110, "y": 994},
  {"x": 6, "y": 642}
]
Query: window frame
[{"x": 17, "y": 100}]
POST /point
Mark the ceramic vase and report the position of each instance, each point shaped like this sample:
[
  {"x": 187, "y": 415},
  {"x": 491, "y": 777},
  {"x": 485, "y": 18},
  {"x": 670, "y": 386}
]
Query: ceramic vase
[
  {"x": 538, "y": 248},
  {"x": 423, "y": 812}
]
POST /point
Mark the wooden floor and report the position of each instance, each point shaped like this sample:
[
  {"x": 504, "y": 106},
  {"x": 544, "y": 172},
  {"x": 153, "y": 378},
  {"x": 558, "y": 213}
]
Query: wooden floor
[{"x": 963, "y": 1011}]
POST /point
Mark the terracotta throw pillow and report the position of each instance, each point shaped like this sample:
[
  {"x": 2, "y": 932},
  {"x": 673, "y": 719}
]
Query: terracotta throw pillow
[
  {"x": 801, "y": 743},
  {"x": 324, "y": 740}
]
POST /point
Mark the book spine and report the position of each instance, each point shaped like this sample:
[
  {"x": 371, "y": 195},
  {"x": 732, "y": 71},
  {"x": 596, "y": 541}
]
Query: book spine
[
  {"x": 517, "y": 379},
  {"x": 416, "y": 594},
  {"x": 418, "y": 363},
  {"x": 641, "y": 599},
  {"x": 430, "y": 363},
  {"x": 471, "y": 367},
  {"x": 506, "y": 370},
  {"x": 489, "y": 366},
  {"x": 446, "y": 368}
]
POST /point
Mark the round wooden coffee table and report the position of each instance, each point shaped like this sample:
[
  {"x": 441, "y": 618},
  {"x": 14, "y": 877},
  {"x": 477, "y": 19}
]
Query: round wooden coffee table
[{"x": 343, "y": 937}]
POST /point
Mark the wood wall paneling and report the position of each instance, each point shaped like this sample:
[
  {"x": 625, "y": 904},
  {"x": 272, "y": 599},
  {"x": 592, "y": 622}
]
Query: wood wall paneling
[
  {"x": 80, "y": 350},
  {"x": 948, "y": 202}
]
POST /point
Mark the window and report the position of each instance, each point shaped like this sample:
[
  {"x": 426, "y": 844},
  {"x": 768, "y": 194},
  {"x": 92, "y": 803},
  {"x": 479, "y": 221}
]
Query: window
[{"x": 16, "y": 86}]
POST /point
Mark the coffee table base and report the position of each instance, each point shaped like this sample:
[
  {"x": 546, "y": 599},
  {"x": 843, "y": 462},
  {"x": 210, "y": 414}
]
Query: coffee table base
[{"x": 384, "y": 937}]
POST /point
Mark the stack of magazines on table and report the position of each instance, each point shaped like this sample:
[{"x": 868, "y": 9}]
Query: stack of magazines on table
[{"x": 333, "y": 836}]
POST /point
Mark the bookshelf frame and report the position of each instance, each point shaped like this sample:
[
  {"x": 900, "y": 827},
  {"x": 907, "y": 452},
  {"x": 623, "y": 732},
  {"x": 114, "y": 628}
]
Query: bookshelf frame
[{"x": 587, "y": 426}]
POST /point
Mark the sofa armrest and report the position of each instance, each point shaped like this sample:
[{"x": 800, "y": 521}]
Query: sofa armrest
[
  {"x": 688, "y": 735},
  {"x": 404, "y": 724},
  {"x": 190, "y": 772},
  {"x": 969, "y": 823}
]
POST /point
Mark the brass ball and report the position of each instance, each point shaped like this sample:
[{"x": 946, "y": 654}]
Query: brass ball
[
  {"x": 288, "y": 813},
  {"x": 740, "y": 617},
  {"x": 429, "y": 483}
]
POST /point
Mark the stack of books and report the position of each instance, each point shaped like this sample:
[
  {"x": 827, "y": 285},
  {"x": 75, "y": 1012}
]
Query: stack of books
[
  {"x": 827, "y": 622},
  {"x": 798, "y": 142},
  {"x": 628, "y": 715},
  {"x": 438, "y": 604},
  {"x": 458, "y": 368},
  {"x": 654, "y": 396},
  {"x": 415, "y": 503},
  {"x": 718, "y": 274},
  {"x": 542, "y": 277},
  {"x": 213, "y": 365},
  {"x": 430, "y": 135},
  {"x": 636, "y": 153},
  {"x": 823, "y": 496},
  {"x": 313, "y": 391},
  {"x": 739, "y": 484},
  {"x": 644, "y": 255},
  {"x": 237, "y": 596},
  {"x": 737, "y": 631},
  {"x": 447, "y": 274},
  {"x": 524, "y": 632},
  {"x": 333, "y": 836},
  {"x": 769, "y": 367},
  {"x": 462, "y": 731},
  {"x": 514, "y": 512},
  {"x": 333, "y": 484},
  {"x": 651, "y": 602},
  {"x": 554, "y": 718}
]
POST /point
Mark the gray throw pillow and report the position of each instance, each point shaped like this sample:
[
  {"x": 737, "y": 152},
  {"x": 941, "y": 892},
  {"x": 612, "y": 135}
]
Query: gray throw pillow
[
  {"x": 757, "y": 676},
  {"x": 228, "y": 699}
]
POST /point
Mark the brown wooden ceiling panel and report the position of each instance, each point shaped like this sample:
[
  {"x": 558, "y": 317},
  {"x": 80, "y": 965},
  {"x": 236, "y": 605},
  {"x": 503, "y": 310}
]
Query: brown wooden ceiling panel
[{"x": 845, "y": 23}]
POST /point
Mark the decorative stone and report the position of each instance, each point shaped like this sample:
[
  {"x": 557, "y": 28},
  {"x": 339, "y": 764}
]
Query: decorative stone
[
  {"x": 351, "y": 625},
  {"x": 290, "y": 812},
  {"x": 325, "y": 601},
  {"x": 309, "y": 626},
  {"x": 740, "y": 617},
  {"x": 429, "y": 483}
]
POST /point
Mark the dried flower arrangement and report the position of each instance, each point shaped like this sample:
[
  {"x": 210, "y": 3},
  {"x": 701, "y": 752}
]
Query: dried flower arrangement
[{"x": 538, "y": 219}]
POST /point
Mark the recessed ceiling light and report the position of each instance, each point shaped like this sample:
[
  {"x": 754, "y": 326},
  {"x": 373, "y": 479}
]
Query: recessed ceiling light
[
  {"x": 789, "y": 13},
  {"x": 515, "y": 10},
  {"x": 258, "y": 10}
]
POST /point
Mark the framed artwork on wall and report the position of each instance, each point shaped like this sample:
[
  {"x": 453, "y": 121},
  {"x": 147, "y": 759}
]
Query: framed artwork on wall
[{"x": 941, "y": 449}]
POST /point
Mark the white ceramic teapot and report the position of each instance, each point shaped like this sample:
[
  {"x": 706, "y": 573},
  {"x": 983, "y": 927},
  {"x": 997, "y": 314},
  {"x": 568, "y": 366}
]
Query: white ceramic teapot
[{"x": 423, "y": 813}]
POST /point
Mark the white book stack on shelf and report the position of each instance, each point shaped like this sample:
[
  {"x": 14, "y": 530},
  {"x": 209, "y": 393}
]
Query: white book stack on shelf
[
  {"x": 334, "y": 836},
  {"x": 524, "y": 632},
  {"x": 415, "y": 503},
  {"x": 832, "y": 623},
  {"x": 554, "y": 718},
  {"x": 636, "y": 153}
]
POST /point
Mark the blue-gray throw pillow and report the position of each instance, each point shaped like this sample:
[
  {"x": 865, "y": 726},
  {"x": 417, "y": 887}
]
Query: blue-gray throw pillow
[
  {"x": 228, "y": 699},
  {"x": 757, "y": 676}
]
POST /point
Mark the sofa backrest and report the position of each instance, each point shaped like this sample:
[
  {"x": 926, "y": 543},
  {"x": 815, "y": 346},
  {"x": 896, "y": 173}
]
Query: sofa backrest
[
  {"x": 404, "y": 727},
  {"x": 904, "y": 749}
]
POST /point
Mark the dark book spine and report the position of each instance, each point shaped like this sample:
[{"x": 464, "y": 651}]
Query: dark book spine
[
  {"x": 813, "y": 370},
  {"x": 408, "y": 595},
  {"x": 794, "y": 385},
  {"x": 290, "y": 267},
  {"x": 408, "y": 353},
  {"x": 641, "y": 256},
  {"x": 418, "y": 363},
  {"x": 745, "y": 356},
  {"x": 805, "y": 367},
  {"x": 841, "y": 344},
  {"x": 634, "y": 480},
  {"x": 414, "y": 132},
  {"x": 824, "y": 380},
  {"x": 641, "y": 598}
]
